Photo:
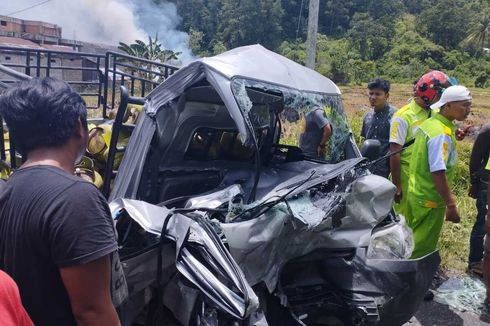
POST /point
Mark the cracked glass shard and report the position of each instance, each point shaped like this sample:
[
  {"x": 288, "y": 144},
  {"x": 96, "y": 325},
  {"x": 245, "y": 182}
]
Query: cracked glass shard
[{"x": 463, "y": 293}]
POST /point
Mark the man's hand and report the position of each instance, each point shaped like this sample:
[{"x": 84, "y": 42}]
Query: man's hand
[
  {"x": 461, "y": 133},
  {"x": 452, "y": 214},
  {"x": 442, "y": 186},
  {"x": 398, "y": 195},
  {"x": 473, "y": 191}
]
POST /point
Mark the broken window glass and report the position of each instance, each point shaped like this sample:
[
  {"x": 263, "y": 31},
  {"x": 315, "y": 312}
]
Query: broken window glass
[
  {"x": 463, "y": 293},
  {"x": 291, "y": 107}
]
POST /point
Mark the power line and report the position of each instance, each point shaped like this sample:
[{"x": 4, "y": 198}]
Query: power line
[
  {"x": 30, "y": 7},
  {"x": 299, "y": 18}
]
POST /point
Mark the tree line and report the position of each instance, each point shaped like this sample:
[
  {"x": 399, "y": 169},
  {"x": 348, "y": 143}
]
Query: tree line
[{"x": 358, "y": 39}]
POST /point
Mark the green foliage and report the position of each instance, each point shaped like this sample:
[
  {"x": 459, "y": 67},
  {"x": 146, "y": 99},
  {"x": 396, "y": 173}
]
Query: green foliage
[
  {"x": 294, "y": 51},
  {"x": 336, "y": 17},
  {"x": 446, "y": 22},
  {"x": 218, "y": 48},
  {"x": 411, "y": 55},
  {"x": 333, "y": 59},
  {"x": 471, "y": 69},
  {"x": 151, "y": 51},
  {"x": 362, "y": 70},
  {"x": 479, "y": 37},
  {"x": 196, "y": 38},
  {"x": 358, "y": 39},
  {"x": 368, "y": 36},
  {"x": 249, "y": 22}
]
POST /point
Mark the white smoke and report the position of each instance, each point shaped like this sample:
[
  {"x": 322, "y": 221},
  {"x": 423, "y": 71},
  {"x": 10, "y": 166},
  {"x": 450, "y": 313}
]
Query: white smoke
[
  {"x": 163, "y": 20},
  {"x": 109, "y": 21}
]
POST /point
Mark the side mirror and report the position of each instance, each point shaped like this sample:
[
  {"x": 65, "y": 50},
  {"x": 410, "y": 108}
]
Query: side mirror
[{"x": 371, "y": 149}]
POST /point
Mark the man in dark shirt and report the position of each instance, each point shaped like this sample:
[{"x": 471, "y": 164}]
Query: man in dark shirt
[
  {"x": 57, "y": 238},
  {"x": 317, "y": 132},
  {"x": 478, "y": 190},
  {"x": 376, "y": 123}
]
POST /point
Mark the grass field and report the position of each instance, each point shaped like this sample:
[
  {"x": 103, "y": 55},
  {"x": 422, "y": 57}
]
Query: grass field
[{"x": 454, "y": 240}]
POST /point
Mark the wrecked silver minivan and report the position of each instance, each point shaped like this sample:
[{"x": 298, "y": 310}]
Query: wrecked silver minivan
[{"x": 222, "y": 220}]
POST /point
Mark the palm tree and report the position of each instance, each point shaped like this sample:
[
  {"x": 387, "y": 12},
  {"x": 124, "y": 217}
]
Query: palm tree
[
  {"x": 136, "y": 49},
  {"x": 153, "y": 51},
  {"x": 478, "y": 38}
]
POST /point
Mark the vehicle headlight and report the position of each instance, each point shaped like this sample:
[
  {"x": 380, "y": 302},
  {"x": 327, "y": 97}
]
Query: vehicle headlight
[{"x": 394, "y": 241}]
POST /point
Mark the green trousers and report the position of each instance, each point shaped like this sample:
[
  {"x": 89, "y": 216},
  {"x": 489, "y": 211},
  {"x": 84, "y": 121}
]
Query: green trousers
[
  {"x": 401, "y": 208},
  {"x": 426, "y": 224}
]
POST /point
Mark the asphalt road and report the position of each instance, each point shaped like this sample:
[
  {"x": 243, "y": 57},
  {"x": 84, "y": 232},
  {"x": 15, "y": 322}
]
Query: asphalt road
[
  {"x": 435, "y": 314},
  {"x": 432, "y": 313}
]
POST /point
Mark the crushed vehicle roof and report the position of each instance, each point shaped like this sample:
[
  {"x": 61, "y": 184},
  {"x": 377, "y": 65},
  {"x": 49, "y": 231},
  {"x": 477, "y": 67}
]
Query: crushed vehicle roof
[
  {"x": 252, "y": 62},
  {"x": 256, "y": 62}
]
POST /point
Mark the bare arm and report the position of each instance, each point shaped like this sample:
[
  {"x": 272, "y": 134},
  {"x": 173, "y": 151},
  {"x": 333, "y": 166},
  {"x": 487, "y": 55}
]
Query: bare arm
[
  {"x": 327, "y": 132},
  {"x": 442, "y": 186},
  {"x": 88, "y": 288},
  {"x": 395, "y": 167}
]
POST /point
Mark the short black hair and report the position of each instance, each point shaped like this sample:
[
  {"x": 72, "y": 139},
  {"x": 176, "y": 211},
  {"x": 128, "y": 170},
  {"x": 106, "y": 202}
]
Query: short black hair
[
  {"x": 379, "y": 83},
  {"x": 41, "y": 112}
]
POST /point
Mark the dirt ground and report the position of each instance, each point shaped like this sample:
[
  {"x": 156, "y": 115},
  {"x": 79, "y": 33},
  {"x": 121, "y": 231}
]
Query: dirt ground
[{"x": 355, "y": 99}]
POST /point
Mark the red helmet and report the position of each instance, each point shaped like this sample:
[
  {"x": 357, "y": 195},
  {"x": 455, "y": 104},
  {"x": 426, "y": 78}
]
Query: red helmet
[{"x": 431, "y": 84}]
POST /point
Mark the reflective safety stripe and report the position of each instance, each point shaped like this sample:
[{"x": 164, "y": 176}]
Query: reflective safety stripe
[
  {"x": 430, "y": 204},
  {"x": 427, "y": 203},
  {"x": 394, "y": 129},
  {"x": 444, "y": 151},
  {"x": 447, "y": 130}
]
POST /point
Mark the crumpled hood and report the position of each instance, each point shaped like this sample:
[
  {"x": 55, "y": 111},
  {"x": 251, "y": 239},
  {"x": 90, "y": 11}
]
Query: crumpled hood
[
  {"x": 261, "y": 246},
  {"x": 308, "y": 218}
]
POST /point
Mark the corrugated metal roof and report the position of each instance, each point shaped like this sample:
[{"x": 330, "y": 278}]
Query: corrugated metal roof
[{"x": 18, "y": 42}]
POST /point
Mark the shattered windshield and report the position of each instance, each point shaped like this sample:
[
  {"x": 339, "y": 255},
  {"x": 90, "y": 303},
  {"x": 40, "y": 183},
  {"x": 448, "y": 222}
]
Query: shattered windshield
[{"x": 301, "y": 116}]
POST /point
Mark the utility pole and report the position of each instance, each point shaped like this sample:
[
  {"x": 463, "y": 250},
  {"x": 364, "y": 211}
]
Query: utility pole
[{"x": 312, "y": 31}]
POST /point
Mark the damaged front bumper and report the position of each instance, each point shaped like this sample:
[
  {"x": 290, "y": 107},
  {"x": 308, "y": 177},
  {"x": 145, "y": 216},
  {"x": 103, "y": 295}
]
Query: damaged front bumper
[{"x": 358, "y": 290}]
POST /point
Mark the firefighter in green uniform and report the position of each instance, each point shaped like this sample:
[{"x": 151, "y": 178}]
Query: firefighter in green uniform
[
  {"x": 429, "y": 196},
  {"x": 403, "y": 128}
]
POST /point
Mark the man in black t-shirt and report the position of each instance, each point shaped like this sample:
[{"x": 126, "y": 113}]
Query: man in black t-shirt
[
  {"x": 57, "y": 238},
  {"x": 313, "y": 140},
  {"x": 478, "y": 190},
  {"x": 376, "y": 123}
]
